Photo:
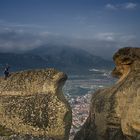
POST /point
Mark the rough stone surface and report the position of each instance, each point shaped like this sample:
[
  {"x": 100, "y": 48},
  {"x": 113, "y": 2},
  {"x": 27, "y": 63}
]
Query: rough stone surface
[
  {"x": 33, "y": 107},
  {"x": 115, "y": 111}
]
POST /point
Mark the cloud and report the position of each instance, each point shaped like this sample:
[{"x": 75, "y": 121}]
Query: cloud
[
  {"x": 130, "y": 5},
  {"x": 123, "y": 6},
  {"x": 80, "y": 19},
  {"x": 107, "y": 36},
  {"x": 5, "y": 24},
  {"x": 128, "y": 38},
  {"x": 101, "y": 43},
  {"x": 115, "y": 37},
  {"x": 110, "y": 6},
  {"x": 104, "y": 44},
  {"x": 19, "y": 40}
]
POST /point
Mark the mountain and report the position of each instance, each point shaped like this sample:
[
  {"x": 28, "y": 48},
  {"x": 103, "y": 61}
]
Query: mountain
[
  {"x": 21, "y": 61},
  {"x": 71, "y": 59},
  {"x": 67, "y": 59}
]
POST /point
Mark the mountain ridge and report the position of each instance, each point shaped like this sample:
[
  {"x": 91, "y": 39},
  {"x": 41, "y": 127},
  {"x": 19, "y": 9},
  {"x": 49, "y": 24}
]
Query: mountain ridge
[{"x": 67, "y": 59}]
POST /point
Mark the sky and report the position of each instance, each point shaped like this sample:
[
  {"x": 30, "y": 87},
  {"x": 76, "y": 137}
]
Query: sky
[{"x": 89, "y": 24}]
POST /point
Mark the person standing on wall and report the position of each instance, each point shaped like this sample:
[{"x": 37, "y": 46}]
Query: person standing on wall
[{"x": 6, "y": 71}]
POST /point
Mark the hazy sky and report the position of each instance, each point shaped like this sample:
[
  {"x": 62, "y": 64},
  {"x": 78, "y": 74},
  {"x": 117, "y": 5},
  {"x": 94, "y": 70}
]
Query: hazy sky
[{"x": 29, "y": 23}]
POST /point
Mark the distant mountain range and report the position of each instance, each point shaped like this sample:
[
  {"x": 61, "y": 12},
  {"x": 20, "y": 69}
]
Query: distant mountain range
[{"x": 67, "y": 59}]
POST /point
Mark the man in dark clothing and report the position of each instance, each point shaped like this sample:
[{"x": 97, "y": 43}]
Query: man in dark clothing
[{"x": 6, "y": 71}]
